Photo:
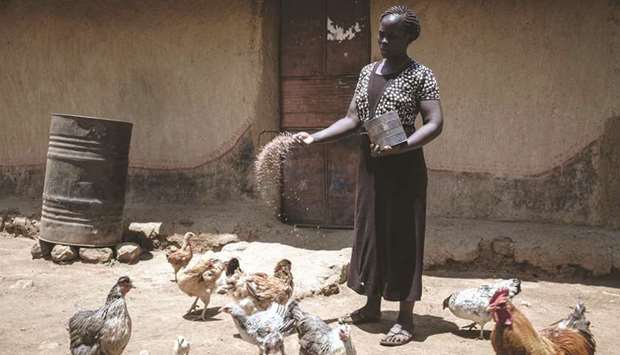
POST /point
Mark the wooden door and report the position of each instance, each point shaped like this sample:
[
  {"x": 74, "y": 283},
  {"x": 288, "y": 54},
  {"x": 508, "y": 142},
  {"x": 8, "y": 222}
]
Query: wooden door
[{"x": 324, "y": 44}]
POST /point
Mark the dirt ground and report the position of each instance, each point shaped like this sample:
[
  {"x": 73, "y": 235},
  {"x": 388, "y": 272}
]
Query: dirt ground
[{"x": 34, "y": 318}]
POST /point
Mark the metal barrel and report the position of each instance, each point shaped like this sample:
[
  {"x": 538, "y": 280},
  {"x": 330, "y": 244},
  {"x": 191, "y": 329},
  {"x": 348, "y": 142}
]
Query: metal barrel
[
  {"x": 85, "y": 179},
  {"x": 386, "y": 129}
]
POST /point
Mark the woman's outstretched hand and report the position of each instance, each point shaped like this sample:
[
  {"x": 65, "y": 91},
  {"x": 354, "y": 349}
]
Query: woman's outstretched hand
[{"x": 304, "y": 138}]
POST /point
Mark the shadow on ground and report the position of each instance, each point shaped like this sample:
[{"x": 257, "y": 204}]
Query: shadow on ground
[{"x": 425, "y": 325}]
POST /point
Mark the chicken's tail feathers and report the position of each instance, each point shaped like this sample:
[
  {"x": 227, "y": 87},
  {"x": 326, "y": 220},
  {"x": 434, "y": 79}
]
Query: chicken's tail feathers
[
  {"x": 295, "y": 311},
  {"x": 288, "y": 326},
  {"x": 232, "y": 266},
  {"x": 587, "y": 335},
  {"x": 577, "y": 319},
  {"x": 446, "y": 302}
]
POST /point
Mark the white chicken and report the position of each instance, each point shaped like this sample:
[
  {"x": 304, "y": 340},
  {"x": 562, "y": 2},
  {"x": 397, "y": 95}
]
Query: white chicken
[
  {"x": 265, "y": 329},
  {"x": 318, "y": 338},
  {"x": 181, "y": 346},
  {"x": 472, "y": 303}
]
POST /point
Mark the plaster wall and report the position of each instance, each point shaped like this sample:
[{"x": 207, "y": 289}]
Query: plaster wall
[
  {"x": 530, "y": 96},
  {"x": 198, "y": 79}
]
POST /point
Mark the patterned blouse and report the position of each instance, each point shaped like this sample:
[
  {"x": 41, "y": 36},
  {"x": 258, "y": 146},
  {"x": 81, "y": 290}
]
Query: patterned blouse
[{"x": 403, "y": 94}]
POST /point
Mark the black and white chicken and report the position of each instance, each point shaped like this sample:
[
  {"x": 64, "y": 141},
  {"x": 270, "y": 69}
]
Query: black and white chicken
[
  {"x": 318, "y": 338},
  {"x": 472, "y": 303},
  {"x": 265, "y": 329},
  {"x": 105, "y": 331}
]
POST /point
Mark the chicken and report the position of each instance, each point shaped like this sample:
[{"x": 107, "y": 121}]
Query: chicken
[
  {"x": 199, "y": 280},
  {"x": 514, "y": 334},
  {"x": 266, "y": 329},
  {"x": 181, "y": 346},
  {"x": 258, "y": 291},
  {"x": 317, "y": 338},
  {"x": 105, "y": 331},
  {"x": 183, "y": 256},
  {"x": 229, "y": 278},
  {"x": 472, "y": 303}
]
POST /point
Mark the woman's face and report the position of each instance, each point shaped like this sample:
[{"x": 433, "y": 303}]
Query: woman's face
[{"x": 393, "y": 38}]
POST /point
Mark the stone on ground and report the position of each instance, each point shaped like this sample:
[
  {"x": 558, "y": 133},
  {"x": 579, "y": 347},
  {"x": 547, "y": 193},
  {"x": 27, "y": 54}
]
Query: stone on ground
[
  {"x": 128, "y": 252},
  {"x": 64, "y": 253},
  {"x": 96, "y": 255},
  {"x": 314, "y": 271}
]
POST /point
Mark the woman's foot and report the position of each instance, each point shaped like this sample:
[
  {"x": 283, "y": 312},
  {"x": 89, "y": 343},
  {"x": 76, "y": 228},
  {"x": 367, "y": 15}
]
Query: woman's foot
[
  {"x": 361, "y": 316},
  {"x": 399, "y": 334}
]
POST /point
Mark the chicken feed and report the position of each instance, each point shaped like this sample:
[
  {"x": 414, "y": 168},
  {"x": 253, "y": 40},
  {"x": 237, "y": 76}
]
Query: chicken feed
[{"x": 268, "y": 167}]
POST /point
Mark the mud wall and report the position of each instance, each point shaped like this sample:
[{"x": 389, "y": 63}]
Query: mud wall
[
  {"x": 530, "y": 95},
  {"x": 197, "y": 78},
  {"x": 529, "y": 91}
]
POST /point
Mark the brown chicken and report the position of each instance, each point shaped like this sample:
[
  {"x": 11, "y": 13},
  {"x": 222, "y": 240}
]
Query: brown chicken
[
  {"x": 183, "y": 256},
  {"x": 515, "y": 335},
  {"x": 257, "y": 291},
  {"x": 200, "y": 281}
]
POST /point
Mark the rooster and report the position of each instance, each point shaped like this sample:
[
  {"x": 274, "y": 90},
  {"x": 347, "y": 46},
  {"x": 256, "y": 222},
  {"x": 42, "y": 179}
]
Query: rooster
[
  {"x": 199, "y": 280},
  {"x": 181, "y": 257},
  {"x": 471, "y": 303},
  {"x": 514, "y": 334},
  {"x": 258, "y": 291},
  {"x": 105, "y": 331}
]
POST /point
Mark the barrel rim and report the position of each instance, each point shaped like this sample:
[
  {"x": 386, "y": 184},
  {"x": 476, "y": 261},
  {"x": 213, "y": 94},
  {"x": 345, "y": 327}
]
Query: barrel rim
[{"x": 69, "y": 115}]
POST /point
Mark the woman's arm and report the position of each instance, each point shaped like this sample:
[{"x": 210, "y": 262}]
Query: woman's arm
[
  {"x": 336, "y": 130},
  {"x": 432, "y": 117}
]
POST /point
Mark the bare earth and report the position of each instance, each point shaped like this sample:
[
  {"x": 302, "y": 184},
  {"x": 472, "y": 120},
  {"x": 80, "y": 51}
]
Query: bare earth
[{"x": 33, "y": 319}]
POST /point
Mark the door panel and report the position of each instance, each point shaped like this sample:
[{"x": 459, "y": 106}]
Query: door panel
[
  {"x": 348, "y": 44},
  {"x": 303, "y": 193},
  {"x": 315, "y": 102},
  {"x": 301, "y": 39},
  {"x": 324, "y": 44}
]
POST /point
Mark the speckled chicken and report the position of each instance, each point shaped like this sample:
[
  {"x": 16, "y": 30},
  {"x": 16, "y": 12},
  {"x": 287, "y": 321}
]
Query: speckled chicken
[
  {"x": 266, "y": 329},
  {"x": 105, "y": 331},
  {"x": 318, "y": 338},
  {"x": 181, "y": 257},
  {"x": 258, "y": 291},
  {"x": 472, "y": 303},
  {"x": 199, "y": 280}
]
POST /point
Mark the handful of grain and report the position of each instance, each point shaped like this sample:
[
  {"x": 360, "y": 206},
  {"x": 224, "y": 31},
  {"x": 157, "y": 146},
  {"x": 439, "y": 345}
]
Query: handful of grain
[{"x": 268, "y": 167}]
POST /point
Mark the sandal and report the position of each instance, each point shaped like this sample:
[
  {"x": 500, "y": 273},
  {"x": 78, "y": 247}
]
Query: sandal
[
  {"x": 397, "y": 336},
  {"x": 360, "y": 317}
]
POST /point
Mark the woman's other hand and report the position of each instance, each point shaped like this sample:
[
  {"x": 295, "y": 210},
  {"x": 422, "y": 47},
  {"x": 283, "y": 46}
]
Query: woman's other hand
[
  {"x": 378, "y": 150},
  {"x": 304, "y": 138}
]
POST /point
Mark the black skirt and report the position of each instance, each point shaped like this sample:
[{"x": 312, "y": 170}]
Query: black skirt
[{"x": 390, "y": 216}]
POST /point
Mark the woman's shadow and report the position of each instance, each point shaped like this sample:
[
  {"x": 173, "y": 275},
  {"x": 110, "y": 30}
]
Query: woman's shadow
[{"x": 425, "y": 325}]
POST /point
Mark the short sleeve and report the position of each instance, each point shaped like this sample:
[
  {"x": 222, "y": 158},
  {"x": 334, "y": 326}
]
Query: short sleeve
[
  {"x": 362, "y": 80},
  {"x": 429, "y": 89}
]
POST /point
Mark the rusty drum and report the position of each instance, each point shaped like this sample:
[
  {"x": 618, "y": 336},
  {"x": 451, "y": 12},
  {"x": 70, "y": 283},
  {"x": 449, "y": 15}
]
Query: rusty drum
[
  {"x": 85, "y": 179},
  {"x": 386, "y": 129}
]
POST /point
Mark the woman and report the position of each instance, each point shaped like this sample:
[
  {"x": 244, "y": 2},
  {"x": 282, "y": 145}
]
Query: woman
[{"x": 390, "y": 207}]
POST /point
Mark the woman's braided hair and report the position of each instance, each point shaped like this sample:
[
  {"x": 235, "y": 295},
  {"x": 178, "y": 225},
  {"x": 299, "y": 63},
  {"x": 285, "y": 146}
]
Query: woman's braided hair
[{"x": 409, "y": 19}]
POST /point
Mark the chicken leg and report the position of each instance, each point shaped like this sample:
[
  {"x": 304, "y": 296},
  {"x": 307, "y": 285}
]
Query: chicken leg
[
  {"x": 474, "y": 325},
  {"x": 191, "y": 309}
]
